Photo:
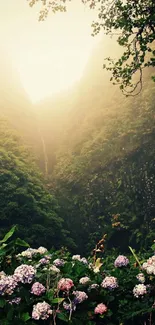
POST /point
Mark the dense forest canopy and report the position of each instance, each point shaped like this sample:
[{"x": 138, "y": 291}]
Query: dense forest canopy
[{"x": 24, "y": 199}]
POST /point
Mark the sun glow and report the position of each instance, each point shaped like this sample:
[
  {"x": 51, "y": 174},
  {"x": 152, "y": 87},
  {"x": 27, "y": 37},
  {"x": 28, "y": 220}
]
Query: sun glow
[{"x": 50, "y": 56}]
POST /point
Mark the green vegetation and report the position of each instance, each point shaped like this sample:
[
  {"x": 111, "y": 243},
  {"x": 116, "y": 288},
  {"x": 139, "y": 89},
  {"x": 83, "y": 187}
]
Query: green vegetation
[
  {"x": 23, "y": 197},
  {"x": 54, "y": 287},
  {"x": 105, "y": 167},
  {"x": 93, "y": 177}
]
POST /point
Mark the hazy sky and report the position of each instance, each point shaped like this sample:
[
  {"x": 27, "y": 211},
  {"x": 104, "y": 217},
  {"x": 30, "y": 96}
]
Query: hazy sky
[{"x": 50, "y": 56}]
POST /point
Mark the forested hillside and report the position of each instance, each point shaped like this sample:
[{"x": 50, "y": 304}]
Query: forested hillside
[
  {"x": 96, "y": 149},
  {"x": 24, "y": 199},
  {"x": 100, "y": 147}
]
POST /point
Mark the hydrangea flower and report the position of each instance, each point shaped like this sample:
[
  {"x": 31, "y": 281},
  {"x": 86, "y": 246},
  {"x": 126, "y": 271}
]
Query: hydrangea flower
[
  {"x": 121, "y": 260},
  {"x": 93, "y": 286},
  {"x": 100, "y": 309},
  {"x": 44, "y": 261},
  {"x": 54, "y": 269},
  {"x": 65, "y": 284},
  {"x": 76, "y": 258},
  {"x": 25, "y": 273},
  {"x": 68, "y": 306},
  {"x": 149, "y": 265},
  {"x": 15, "y": 301},
  {"x": 150, "y": 269},
  {"x": 29, "y": 253},
  {"x": 42, "y": 310},
  {"x": 80, "y": 296},
  {"x": 84, "y": 280},
  {"x": 59, "y": 262},
  {"x": 8, "y": 285},
  {"x": 42, "y": 250},
  {"x": 38, "y": 289},
  {"x": 140, "y": 277},
  {"x": 84, "y": 260},
  {"x": 110, "y": 282},
  {"x": 139, "y": 290}
]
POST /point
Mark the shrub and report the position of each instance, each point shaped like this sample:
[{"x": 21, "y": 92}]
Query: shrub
[{"x": 55, "y": 288}]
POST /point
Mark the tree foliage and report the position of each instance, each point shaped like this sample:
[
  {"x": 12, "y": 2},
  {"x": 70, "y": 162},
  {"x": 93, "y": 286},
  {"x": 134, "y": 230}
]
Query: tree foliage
[
  {"x": 133, "y": 22},
  {"x": 23, "y": 198},
  {"x": 105, "y": 169}
]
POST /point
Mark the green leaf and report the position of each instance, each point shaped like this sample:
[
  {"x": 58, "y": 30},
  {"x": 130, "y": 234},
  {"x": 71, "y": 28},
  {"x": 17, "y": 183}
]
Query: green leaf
[
  {"x": 25, "y": 317},
  {"x": 57, "y": 300},
  {"x": 20, "y": 242},
  {"x": 50, "y": 294},
  {"x": 9, "y": 234},
  {"x": 63, "y": 317},
  {"x": 2, "y": 303},
  {"x": 135, "y": 256}
]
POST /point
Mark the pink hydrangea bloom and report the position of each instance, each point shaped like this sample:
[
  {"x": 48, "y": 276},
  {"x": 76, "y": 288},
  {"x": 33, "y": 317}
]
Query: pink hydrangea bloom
[
  {"x": 65, "y": 284},
  {"x": 16, "y": 301},
  {"x": 59, "y": 262},
  {"x": 42, "y": 310},
  {"x": 38, "y": 289},
  {"x": 100, "y": 309},
  {"x": 80, "y": 296},
  {"x": 8, "y": 284},
  {"x": 110, "y": 282},
  {"x": 69, "y": 307},
  {"x": 25, "y": 273},
  {"x": 121, "y": 260}
]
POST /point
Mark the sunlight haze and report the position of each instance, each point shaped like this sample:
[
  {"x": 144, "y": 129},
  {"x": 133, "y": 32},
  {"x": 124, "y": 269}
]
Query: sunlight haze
[{"x": 49, "y": 56}]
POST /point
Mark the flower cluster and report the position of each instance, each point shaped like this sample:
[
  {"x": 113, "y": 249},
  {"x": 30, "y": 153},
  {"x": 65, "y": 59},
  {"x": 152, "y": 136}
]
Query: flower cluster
[
  {"x": 42, "y": 310},
  {"x": 84, "y": 280},
  {"x": 44, "y": 261},
  {"x": 65, "y": 294},
  {"x": 84, "y": 260},
  {"x": 38, "y": 289},
  {"x": 149, "y": 265},
  {"x": 25, "y": 273},
  {"x": 139, "y": 290},
  {"x": 140, "y": 277},
  {"x": 70, "y": 306},
  {"x": 28, "y": 253},
  {"x": 93, "y": 286},
  {"x": 8, "y": 285},
  {"x": 78, "y": 258},
  {"x": 110, "y": 282},
  {"x": 80, "y": 296},
  {"x": 65, "y": 284},
  {"x": 100, "y": 309},
  {"x": 42, "y": 250},
  {"x": 54, "y": 269},
  {"x": 15, "y": 301},
  {"x": 121, "y": 260},
  {"x": 59, "y": 262}
]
